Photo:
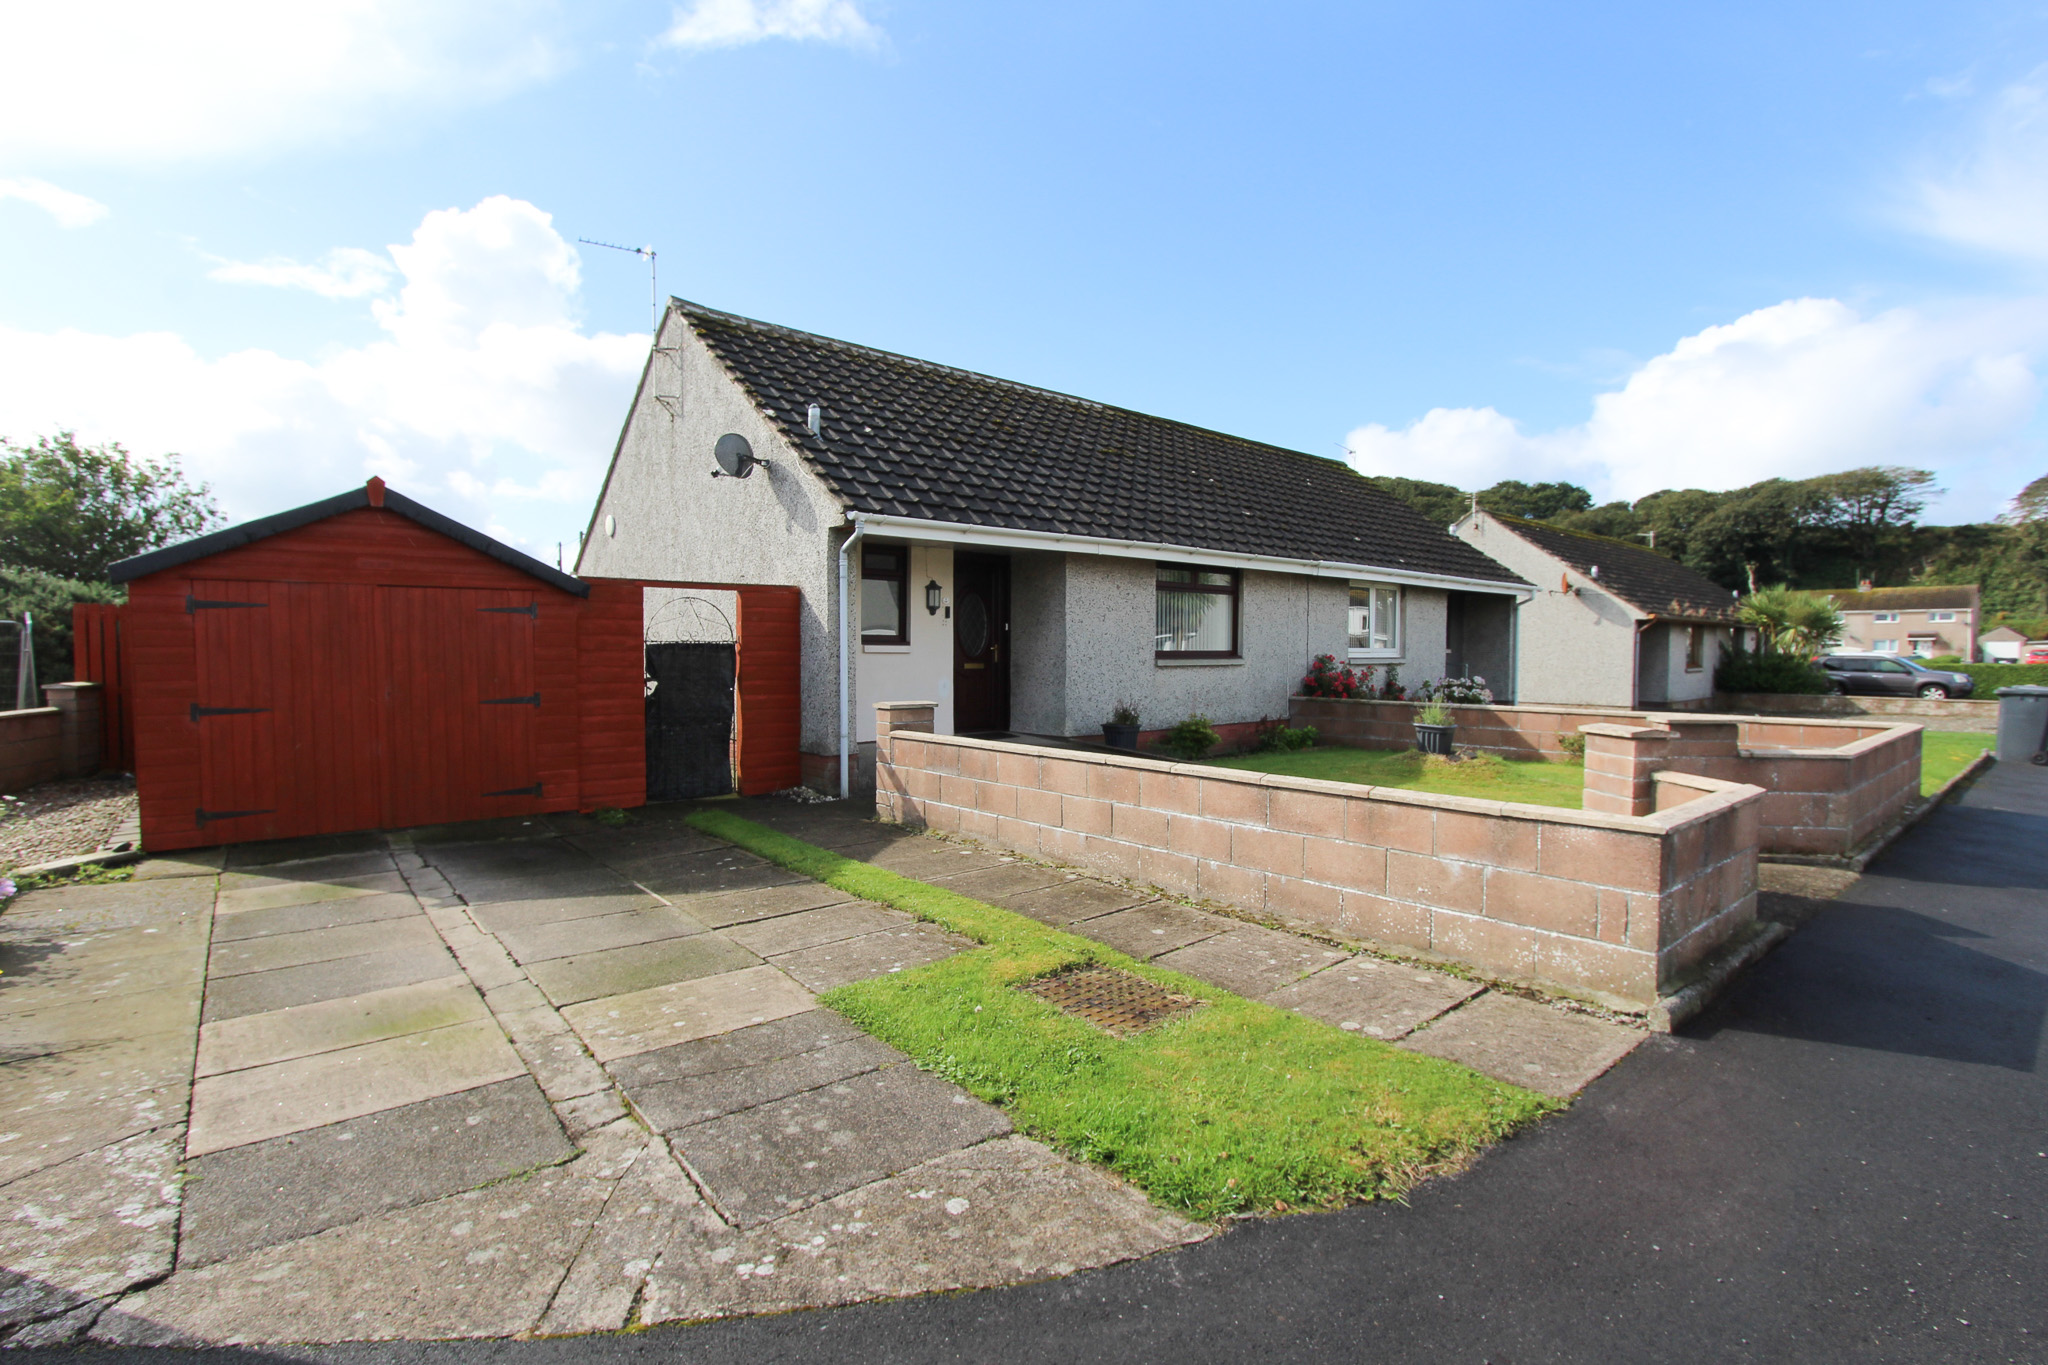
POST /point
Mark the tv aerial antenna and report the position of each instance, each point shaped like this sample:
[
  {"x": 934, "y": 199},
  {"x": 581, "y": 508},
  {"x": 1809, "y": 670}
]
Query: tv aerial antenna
[{"x": 653, "y": 289}]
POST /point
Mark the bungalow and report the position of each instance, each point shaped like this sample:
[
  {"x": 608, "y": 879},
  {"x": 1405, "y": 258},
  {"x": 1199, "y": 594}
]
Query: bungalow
[
  {"x": 1024, "y": 559},
  {"x": 1610, "y": 623}
]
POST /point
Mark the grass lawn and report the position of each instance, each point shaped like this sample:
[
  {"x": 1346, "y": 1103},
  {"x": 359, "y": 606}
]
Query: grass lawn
[
  {"x": 1944, "y": 753},
  {"x": 1235, "y": 1106},
  {"x": 1531, "y": 781}
]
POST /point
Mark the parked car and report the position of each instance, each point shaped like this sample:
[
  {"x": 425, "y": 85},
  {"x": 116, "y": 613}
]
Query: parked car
[
  {"x": 2035, "y": 654},
  {"x": 1886, "y": 675}
]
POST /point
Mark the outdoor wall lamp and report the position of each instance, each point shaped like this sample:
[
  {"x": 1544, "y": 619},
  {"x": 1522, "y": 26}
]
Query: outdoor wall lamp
[{"x": 931, "y": 597}]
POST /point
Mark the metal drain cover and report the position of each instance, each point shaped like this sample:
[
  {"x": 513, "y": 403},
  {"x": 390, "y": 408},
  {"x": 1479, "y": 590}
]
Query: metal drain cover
[{"x": 1116, "y": 1002}]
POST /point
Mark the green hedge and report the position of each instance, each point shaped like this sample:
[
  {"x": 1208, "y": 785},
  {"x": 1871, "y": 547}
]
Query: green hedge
[
  {"x": 1991, "y": 677},
  {"x": 1760, "y": 672}
]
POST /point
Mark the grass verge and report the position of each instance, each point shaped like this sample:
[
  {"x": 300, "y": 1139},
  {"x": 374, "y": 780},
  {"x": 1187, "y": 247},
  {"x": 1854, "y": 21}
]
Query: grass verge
[
  {"x": 1485, "y": 776},
  {"x": 1237, "y": 1106},
  {"x": 1944, "y": 753}
]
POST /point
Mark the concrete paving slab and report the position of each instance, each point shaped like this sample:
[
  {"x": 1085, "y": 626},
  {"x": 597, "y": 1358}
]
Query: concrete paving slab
[
  {"x": 1374, "y": 997},
  {"x": 273, "y": 952},
  {"x": 695, "y": 1099},
  {"x": 516, "y": 913},
  {"x": 539, "y": 942},
  {"x": 275, "y": 851},
  {"x": 1146, "y": 931},
  {"x": 308, "y": 1092},
  {"x": 1540, "y": 1047},
  {"x": 755, "y": 1045},
  {"x": 641, "y": 1217},
  {"x": 724, "y": 908},
  {"x": 696, "y": 874},
  {"x": 926, "y": 858},
  {"x": 1070, "y": 902},
  {"x": 483, "y": 1263},
  {"x": 339, "y": 867},
  {"x": 260, "y": 992},
  {"x": 49, "y": 1029},
  {"x": 835, "y": 825},
  {"x": 762, "y": 1163},
  {"x": 305, "y": 893},
  {"x": 96, "y": 908},
  {"x": 53, "y": 1109},
  {"x": 38, "y": 970},
  {"x": 191, "y": 862},
  {"x": 330, "y": 1025},
  {"x": 1000, "y": 885},
  {"x": 621, "y": 971},
  {"x": 809, "y": 928},
  {"x": 479, "y": 831},
  {"x": 298, "y": 919},
  {"x": 876, "y": 954},
  {"x": 1001, "y": 1212},
  {"x": 95, "y": 1226},
  {"x": 639, "y": 840},
  {"x": 554, "y": 1055},
  {"x": 645, "y": 1020},
  {"x": 1250, "y": 960},
  {"x": 245, "y": 1198},
  {"x": 582, "y": 884}
]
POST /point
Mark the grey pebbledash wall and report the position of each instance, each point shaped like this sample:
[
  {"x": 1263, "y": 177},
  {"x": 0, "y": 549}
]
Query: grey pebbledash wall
[{"x": 1622, "y": 909}]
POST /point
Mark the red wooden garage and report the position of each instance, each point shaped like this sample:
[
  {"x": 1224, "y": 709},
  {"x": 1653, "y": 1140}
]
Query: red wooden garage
[{"x": 365, "y": 662}]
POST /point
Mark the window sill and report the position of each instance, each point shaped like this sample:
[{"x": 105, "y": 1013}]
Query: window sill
[
  {"x": 1359, "y": 656},
  {"x": 885, "y": 649},
  {"x": 1197, "y": 663}
]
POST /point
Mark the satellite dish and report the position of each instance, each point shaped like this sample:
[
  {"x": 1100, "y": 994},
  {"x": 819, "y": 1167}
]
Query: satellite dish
[{"x": 735, "y": 457}]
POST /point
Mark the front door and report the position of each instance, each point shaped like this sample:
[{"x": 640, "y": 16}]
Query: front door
[{"x": 981, "y": 643}]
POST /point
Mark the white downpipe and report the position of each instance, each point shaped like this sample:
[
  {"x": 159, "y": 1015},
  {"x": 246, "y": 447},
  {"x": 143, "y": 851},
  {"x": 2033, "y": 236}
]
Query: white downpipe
[{"x": 846, "y": 662}]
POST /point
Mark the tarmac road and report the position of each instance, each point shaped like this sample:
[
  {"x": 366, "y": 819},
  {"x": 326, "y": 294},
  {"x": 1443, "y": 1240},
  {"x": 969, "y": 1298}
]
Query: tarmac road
[{"x": 1846, "y": 1159}]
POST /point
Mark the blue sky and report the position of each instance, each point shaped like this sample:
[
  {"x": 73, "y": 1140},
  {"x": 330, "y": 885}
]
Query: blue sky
[{"x": 301, "y": 244}]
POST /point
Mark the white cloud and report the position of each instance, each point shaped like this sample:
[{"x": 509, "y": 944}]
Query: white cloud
[
  {"x": 140, "y": 81},
  {"x": 731, "y": 23},
  {"x": 483, "y": 397},
  {"x": 69, "y": 209},
  {"x": 1805, "y": 387},
  {"x": 1994, "y": 196},
  {"x": 347, "y": 273}
]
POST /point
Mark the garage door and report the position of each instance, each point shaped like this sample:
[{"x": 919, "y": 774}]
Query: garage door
[{"x": 326, "y": 707}]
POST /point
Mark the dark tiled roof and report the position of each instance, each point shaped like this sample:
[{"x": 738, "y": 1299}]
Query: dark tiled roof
[
  {"x": 1642, "y": 578},
  {"x": 909, "y": 438},
  {"x": 1906, "y": 599}
]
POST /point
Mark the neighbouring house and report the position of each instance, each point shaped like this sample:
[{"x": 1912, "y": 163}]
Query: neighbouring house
[
  {"x": 1025, "y": 560},
  {"x": 1610, "y": 623},
  {"x": 1922, "y": 622}
]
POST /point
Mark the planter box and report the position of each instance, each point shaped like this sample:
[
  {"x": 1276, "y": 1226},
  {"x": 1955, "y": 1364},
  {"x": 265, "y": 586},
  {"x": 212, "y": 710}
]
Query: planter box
[
  {"x": 1120, "y": 736},
  {"x": 1434, "y": 739}
]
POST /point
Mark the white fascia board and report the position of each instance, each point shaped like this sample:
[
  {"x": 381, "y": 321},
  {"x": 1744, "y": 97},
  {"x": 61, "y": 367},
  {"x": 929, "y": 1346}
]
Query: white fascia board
[{"x": 999, "y": 538}]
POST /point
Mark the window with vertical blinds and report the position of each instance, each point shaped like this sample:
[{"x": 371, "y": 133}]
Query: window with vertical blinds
[
  {"x": 1375, "y": 625},
  {"x": 1196, "y": 615}
]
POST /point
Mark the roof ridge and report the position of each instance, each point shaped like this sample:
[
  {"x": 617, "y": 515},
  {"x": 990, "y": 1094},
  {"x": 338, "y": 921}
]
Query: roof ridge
[
  {"x": 701, "y": 310},
  {"x": 1513, "y": 520}
]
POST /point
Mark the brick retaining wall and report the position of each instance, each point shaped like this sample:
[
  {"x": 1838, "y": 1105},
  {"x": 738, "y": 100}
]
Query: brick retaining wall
[
  {"x": 1976, "y": 715},
  {"x": 1620, "y": 908},
  {"x": 31, "y": 747}
]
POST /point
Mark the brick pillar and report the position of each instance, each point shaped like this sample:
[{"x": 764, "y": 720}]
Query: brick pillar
[
  {"x": 1620, "y": 761},
  {"x": 79, "y": 725},
  {"x": 892, "y": 802}
]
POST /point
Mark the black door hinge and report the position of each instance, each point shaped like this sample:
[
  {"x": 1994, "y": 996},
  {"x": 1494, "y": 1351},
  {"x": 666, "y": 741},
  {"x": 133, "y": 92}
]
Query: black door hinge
[
  {"x": 193, "y": 604},
  {"x": 530, "y": 609},
  {"x": 534, "y": 790},
  {"x": 533, "y": 700},
  {"x": 198, "y": 710},
  {"x": 203, "y": 815}
]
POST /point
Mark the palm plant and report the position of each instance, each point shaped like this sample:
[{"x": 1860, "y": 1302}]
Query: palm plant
[{"x": 1788, "y": 621}]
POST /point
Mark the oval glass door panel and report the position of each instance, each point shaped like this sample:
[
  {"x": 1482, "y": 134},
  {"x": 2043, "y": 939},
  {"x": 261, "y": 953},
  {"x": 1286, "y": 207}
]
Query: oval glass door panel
[{"x": 971, "y": 626}]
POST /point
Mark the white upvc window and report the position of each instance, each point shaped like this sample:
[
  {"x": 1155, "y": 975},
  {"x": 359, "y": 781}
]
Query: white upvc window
[
  {"x": 1884, "y": 647},
  {"x": 1940, "y": 616},
  {"x": 1884, "y": 618},
  {"x": 1374, "y": 628}
]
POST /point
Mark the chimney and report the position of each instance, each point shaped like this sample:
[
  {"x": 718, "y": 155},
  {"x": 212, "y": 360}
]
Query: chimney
[{"x": 1864, "y": 585}]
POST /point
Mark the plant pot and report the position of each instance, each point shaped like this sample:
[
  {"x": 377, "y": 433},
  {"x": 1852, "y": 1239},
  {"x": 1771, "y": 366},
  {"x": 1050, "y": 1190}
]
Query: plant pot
[
  {"x": 1120, "y": 736},
  {"x": 1434, "y": 739}
]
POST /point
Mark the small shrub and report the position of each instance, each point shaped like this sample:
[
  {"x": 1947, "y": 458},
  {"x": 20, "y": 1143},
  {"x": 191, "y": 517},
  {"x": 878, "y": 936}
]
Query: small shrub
[
  {"x": 1278, "y": 738},
  {"x": 1124, "y": 714},
  {"x": 1434, "y": 713},
  {"x": 1574, "y": 746},
  {"x": 1391, "y": 689},
  {"x": 1471, "y": 691},
  {"x": 1944, "y": 661},
  {"x": 1328, "y": 678},
  {"x": 1191, "y": 739},
  {"x": 1742, "y": 671}
]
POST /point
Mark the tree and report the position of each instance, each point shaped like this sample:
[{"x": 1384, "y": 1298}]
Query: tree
[
  {"x": 1801, "y": 624},
  {"x": 1874, "y": 508},
  {"x": 49, "y": 599},
  {"x": 1440, "y": 502},
  {"x": 69, "y": 510},
  {"x": 1536, "y": 501}
]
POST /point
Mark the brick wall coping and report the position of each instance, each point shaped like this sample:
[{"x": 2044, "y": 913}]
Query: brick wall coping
[
  {"x": 1715, "y": 795},
  {"x": 27, "y": 713},
  {"x": 1623, "y": 714}
]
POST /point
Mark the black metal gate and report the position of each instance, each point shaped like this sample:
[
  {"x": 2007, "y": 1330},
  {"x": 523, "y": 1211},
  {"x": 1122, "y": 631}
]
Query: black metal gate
[{"x": 689, "y": 720}]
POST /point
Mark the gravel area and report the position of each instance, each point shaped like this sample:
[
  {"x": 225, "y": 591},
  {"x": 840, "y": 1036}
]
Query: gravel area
[{"x": 59, "y": 819}]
